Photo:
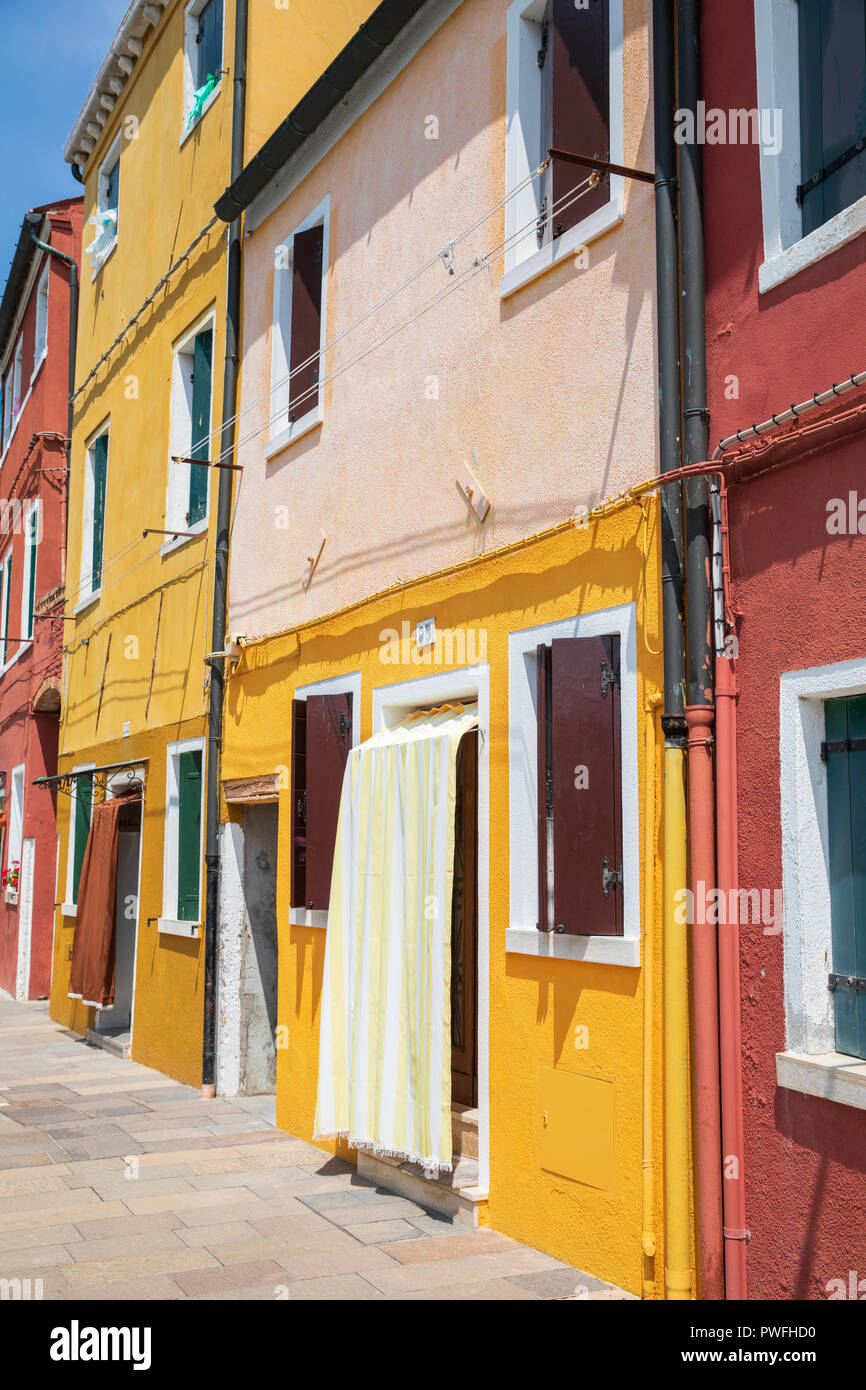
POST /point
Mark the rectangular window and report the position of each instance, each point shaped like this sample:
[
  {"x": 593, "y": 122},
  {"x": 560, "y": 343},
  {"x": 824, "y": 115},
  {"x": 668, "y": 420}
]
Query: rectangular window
[
  {"x": 832, "y": 43},
  {"x": 106, "y": 215},
  {"x": 845, "y": 754},
  {"x": 41, "y": 347},
  {"x": 16, "y": 817},
  {"x": 209, "y": 42},
  {"x": 182, "y": 864},
  {"x": 28, "y": 587},
  {"x": 300, "y": 282},
  {"x": 190, "y": 437},
  {"x": 203, "y": 59},
  {"x": 7, "y": 405},
  {"x": 79, "y": 829},
  {"x": 580, "y": 861},
  {"x": 93, "y": 531},
  {"x": 321, "y": 740},
  {"x": 5, "y": 595}
]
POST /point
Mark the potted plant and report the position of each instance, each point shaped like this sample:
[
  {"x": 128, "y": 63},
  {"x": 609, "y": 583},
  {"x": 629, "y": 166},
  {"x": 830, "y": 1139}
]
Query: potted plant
[{"x": 10, "y": 881}]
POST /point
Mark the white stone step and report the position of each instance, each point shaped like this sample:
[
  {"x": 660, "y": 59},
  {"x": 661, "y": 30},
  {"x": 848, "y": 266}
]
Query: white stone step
[{"x": 455, "y": 1195}]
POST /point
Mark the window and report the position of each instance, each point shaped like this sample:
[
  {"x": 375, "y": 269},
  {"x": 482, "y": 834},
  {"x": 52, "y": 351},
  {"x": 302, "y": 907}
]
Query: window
[
  {"x": 93, "y": 531},
  {"x": 811, "y": 68},
  {"x": 844, "y": 751},
  {"x": 105, "y": 218},
  {"x": 28, "y": 587},
  {"x": 5, "y": 595},
  {"x": 580, "y": 873},
  {"x": 16, "y": 817},
  {"x": 203, "y": 56},
  {"x": 573, "y": 789},
  {"x": 832, "y": 36},
  {"x": 300, "y": 283},
  {"x": 191, "y": 398},
  {"x": 79, "y": 829},
  {"x": 7, "y": 406},
  {"x": 321, "y": 740},
  {"x": 41, "y": 320},
  {"x": 564, "y": 92},
  {"x": 182, "y": 862}
]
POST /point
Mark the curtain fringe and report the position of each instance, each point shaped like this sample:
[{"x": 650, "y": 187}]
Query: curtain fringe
[{"x": 431, "y": 1166}]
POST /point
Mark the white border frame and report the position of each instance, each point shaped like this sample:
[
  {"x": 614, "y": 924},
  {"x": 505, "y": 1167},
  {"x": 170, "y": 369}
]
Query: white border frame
[
  {"x": 43, "y": 290},
  {"x": 786, "y": 250},
  {"x": 391, "y": 703},
  {"x": 87, "y": 595},
  {"x": 176, "y": 471},
  {"x": 31, "y": 556},
  {"x": 68, "y": 908},
  {"x": 6, "y": 609},
  {"x": 522, "y": 936},
  {"x": 169, "y": 922},
  {"x": 335, "y": 685},
  {"x": 19, "y": 772},
  {"x": 190, "y": 14},
  {"x": 112, "y": 157},
  {"x": 522, "y": 143},
  {"x": 281, "y": 328}
]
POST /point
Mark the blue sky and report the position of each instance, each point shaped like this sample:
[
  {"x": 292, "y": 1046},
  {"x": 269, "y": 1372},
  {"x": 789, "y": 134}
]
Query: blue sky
[{"x": 50, "y": 52}]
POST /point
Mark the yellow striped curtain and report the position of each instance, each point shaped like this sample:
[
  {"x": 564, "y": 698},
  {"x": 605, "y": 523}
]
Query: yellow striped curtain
[{"x": 385, "y": 1029}]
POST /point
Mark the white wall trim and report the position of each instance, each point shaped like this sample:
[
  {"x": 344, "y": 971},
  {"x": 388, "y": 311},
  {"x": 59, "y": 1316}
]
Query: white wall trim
[
  {"x": 349, "y": 684},
  {"x": 70, "y": 907},
  {"x": 391, "y": 703},
  {"x": 809, "y": 1023},
  {"x": 180, "y": 431},
  {"x": 25, "y": 918},
  {"x": 830, "y": 1076},
  {"x": 86, "y": 593},
  {"x": 169, "y": 921},
  {"x": 523, "y": 936},
  {"x": 823, "y": 241},
  {"x": 190, "y": 15},
  {"x": 281, "y": 431}
]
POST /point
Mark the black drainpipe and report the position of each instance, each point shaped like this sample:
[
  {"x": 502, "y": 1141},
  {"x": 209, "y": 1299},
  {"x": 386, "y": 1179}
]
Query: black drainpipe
[
  {"x": 670, "y": 444},
  {"x": 34, "y": 219},
  {"x": 221, "y": 556}
]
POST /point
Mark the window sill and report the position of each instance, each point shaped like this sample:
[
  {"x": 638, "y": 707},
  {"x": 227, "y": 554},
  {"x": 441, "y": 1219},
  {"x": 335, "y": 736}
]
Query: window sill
[
  {"x": 37, "y": 369},
  {"x": 294, "y": 432},
  {"x": 841, "y": 229},
  {"x": 187, "y": 131},
  {"x": 106, "y": 255},
  {"x": 22, "y": 648},
  {"x": 85, "y": 603},
  {"x": 827, "y": 1075},
  {"x": 69, "y": 909},
  {"x": 176, "y": 542},
  {"x": 169, "y": 926},
  {"x": 308, "y": 917},
  {"x": 599, "y": 950},
  {"x": 556, "y": 252}
]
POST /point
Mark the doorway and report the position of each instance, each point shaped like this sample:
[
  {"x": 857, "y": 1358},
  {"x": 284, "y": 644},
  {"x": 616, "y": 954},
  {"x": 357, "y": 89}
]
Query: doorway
[
  {"x": 258, "y": 964},
  {"x": 464, "y": 929},
  {"x": 117, "y": 1020}
]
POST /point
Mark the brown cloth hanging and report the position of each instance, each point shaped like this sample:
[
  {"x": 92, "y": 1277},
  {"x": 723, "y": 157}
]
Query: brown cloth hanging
[{"x": 91, "y": 977}]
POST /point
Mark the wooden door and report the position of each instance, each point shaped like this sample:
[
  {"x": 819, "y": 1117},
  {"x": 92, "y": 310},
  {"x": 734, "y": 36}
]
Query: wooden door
[{"x": 464, "y": 928}]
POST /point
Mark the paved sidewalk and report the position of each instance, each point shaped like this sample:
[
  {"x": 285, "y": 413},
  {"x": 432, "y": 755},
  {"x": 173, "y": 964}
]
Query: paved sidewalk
[{"x": 117, "y": 1183}]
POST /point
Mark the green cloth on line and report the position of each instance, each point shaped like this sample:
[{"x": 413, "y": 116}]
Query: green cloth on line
[{"x": 200, "y": 97}]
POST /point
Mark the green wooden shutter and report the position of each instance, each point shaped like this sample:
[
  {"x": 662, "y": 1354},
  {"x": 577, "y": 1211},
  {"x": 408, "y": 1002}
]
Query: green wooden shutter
[
  {"x": 33, "y": 531},
  {"x": 100, "y": 473},
  {"x": 210, "y": 41},
  {"x": 189, "y": 836},
  {"x": 845, "y": 721},
  {"x": 832, "y": 36},
  {"x": 201, "y": 394},
  {"x": 81, "y": 830}
]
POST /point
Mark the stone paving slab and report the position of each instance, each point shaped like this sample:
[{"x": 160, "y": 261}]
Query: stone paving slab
[{"x": 117, "y": 1183}]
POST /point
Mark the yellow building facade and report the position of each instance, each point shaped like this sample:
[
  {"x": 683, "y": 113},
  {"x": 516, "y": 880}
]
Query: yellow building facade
[
  {"x": 153, "y": 144},
  {"x": 420, "y": 523}
]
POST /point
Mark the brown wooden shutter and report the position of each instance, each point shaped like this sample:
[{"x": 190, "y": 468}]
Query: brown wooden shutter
[
  {"x": 587, "y": 820},
  {"x": 544, "y": 711},
  {"x": 299, "y": 804},
  {"x": 306, "y": 321},
  {"x": 581, "y": 103},
  {"x": 329, "y": 738}
]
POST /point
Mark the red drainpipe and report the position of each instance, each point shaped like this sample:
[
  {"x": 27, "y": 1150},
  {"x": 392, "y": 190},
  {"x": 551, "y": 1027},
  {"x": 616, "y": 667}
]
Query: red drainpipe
[{"x": 733, "y": 1185}]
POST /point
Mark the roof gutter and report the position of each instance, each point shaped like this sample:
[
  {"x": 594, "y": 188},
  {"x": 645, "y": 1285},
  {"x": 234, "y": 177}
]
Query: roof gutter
[{"x": 359, "y": 54}]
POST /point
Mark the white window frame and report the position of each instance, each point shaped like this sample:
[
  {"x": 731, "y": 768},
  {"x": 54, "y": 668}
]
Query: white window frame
[
  {"x": 8, "y": 392},
  {"x": 786, "y": 250},
  {"x": 111, "y": 159},
  {"x": 31, "y": 552},
  {"x": 810, "y": 1062},
  {"x": 169, "y": 922},
  {"x": 5, "y": 608},
  {"x": 11, "y": 416},
  {"x": 280, "y": 433},
  {"x": 190, "y": 18},
  {"x": 40, "y": 349},
  {"x": 15, "y": 838},
  {"x": 69, "y": 908},
  {"x": 522, "y": 935},
  {"x": 86, "y": 594},
  {"x": 180, "y": 435},
  {"x": 524, "y": 261},
  {"x": 349, "y": 684}
]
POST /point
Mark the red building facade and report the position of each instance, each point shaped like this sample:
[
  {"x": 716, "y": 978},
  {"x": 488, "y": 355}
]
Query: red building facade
[
  {"x": 34, "y": 377},
  {"x": 785, "y": 247}
]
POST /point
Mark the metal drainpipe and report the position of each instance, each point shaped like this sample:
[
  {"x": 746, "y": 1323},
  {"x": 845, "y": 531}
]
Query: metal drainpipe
[
  {"x": 699, "y": 710},
  {"x": 220, "y": 578},
  {"x": 73, "y": 340},
  {"x": 677, "y": 1251}
]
